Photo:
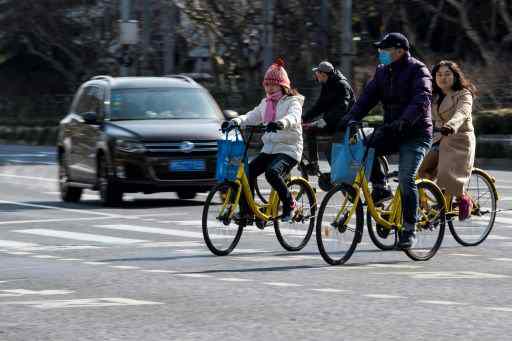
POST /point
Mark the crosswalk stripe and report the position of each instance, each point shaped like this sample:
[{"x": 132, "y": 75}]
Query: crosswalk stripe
[
  {"x": 157, "y": 230},
  {"x": 80, "y": 236},
  {"x": 11, "y": 244}
]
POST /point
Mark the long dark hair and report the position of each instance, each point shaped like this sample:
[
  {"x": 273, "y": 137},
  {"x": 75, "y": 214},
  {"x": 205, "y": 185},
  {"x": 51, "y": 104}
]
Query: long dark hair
[
  {"x": 459, "y": 80},
  {"x": 290, "y": 91}
]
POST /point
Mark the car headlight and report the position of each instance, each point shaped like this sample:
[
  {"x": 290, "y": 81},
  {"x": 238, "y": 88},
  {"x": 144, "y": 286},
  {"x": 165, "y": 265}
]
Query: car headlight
[{"x": 129, "y": 146}]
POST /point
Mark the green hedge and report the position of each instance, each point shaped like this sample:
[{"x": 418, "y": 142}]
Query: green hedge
[{"x": 487, "y": 122}]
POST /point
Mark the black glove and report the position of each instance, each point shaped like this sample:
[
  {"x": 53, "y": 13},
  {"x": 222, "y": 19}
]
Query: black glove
[
  {"x": 228, "y": 125},
  {"x": 273, "y": 127},
  {"x": 445, "y": 131}
]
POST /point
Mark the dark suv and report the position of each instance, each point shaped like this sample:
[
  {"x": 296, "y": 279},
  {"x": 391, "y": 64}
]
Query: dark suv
[{"x": 139, "y": 134}]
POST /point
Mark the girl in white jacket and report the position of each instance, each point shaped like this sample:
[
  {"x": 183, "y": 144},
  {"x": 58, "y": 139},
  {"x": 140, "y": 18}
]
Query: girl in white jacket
[{"x": 281, "y": 111}]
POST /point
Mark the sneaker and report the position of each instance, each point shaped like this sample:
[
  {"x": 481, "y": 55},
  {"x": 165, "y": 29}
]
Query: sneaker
[
  {"x": 465, "y": 207},
  {"x": 288, "y": 211},
  {"x": 381, "y": 194},
  {"x": 406, "y": 239}
]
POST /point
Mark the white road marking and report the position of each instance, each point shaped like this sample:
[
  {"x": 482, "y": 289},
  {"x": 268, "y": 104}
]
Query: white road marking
[
  {"x": 462, "y": 255},
  {"x": 82, "y": 303},
  {"x": 282, "y": 284},
  {"x": 171, "y": 244},
  {"x": 448, "y": 275},
  {"x": 71, "y": 259},
  {"x": 62, "y": 209},
  {"x": 18, "y": 253},
  {"x": 477, "y": 236},
  {"x": 95, "y": 263},
  {"x": 383, "y": 296},
  {"x": 125, "y": 267},
  {"x": 502, "y": 259},
  {"x": 194, "y": 275},
  {"x": 11, "y": 244},
  {"x": 29, "y": 177},
  {"x": 508, "y": 309},
  {"x": 32, "y": 162},
  {"x": 45, "y": 256},
  {"x": 234, "y": 279},
  {"x": 23, "y": 292},
  {"x": 81, "y": 236},
  {"x": 159, "y": 271},
  {"x": 275, "y": 258},
  {"x": 394, "y": 266},
  {"x": 157, "y": 230},
  {"x": 42, "y": 154},
  {"x": 441, "y": 302},
  {"x": 330, "y": 290},
  {"x": 503, "y": 220},
  {"x": 11, "y": 222}
]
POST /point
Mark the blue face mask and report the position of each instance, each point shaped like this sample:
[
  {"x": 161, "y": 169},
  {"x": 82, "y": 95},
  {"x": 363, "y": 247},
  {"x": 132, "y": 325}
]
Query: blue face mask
[{"x": 385, "y": 57}]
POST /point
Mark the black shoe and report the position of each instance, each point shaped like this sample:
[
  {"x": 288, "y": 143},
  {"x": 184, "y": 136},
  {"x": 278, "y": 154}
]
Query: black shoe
[
  {"x": 381, "y": 194},
  {"x": 288, "y": 211},
  {"x": 406, "y": 239},
  {"x": 382, "y": 231},
  {"x": 243, "y": 219}
]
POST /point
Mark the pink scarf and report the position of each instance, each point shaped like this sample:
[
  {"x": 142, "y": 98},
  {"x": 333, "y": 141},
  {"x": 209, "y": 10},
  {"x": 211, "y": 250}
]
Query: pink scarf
[{"x": 270, "y": 109}]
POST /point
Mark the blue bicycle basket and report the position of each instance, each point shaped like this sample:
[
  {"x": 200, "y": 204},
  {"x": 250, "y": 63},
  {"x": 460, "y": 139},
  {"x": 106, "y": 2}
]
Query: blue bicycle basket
[
  {"x": 230, "y": 155},
  {"x": 347, "y": 158}
]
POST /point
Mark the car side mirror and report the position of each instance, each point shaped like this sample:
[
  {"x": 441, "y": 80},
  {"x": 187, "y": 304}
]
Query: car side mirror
[
  {"x": 90, "y": 117},
  {"x": 230, "y": 114}
]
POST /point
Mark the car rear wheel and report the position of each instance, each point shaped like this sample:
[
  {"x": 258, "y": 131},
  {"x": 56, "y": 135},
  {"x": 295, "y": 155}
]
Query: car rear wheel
[
  {"x": 186, "y": 195},
  {"x": 67, "y": 192},
  {"x": 110, "y": 194}
]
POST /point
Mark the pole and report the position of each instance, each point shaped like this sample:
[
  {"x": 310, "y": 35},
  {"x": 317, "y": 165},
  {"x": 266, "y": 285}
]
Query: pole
[
  {"x": 268, "y": 20},
  {"x": 146, "y": 37},
  {"x": 346, "y": 38},
  {"x": 168, "y": 23},
  {"x": 124, "y": 8}
]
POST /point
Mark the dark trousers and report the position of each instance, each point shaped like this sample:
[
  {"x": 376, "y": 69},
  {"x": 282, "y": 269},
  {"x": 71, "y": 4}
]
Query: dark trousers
[
  {"x": 311, "y": 139},
  {"x": 276, "y": 167},
  {"x": 411, "y": 153}
]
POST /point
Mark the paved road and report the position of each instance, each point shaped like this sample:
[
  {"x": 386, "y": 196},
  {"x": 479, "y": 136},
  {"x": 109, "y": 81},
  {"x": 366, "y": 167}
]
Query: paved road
[{"x": 84, "y": 272}]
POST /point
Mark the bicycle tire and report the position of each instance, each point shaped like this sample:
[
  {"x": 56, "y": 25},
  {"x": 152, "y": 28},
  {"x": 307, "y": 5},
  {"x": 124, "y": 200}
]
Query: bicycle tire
[
  {"x": 323, "y": 224},
  {"x": 209, "y": 234},
  {"x": 378, "y": 240},
  {"x": 460, "y": 238},
  {"x": 440, "y": 207},
  {"x": 310, "y": 216}
]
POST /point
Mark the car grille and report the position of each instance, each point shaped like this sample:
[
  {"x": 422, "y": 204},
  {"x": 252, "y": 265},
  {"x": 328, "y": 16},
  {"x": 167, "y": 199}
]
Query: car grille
[{"x": 175, "y": 148}]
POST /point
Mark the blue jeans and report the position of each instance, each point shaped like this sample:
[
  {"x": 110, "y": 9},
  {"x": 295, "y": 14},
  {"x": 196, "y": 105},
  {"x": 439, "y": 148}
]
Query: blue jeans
[{"x": 412, "y": 152}]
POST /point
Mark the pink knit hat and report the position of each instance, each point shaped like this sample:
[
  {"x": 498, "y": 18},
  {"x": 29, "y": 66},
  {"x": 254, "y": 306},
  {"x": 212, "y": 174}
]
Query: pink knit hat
[{"x": 276, "y": 74}]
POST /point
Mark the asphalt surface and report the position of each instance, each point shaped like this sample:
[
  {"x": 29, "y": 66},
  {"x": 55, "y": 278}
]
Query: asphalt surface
[{"x": 84, "y": 272}]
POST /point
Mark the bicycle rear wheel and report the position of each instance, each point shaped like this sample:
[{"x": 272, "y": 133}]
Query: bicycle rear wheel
[
  {"x": 293, "y": 236},
  {"x": 431, "y": 222},
  {"x": 221, "y": 233},
  {"x": 475, "y": 229},
  {"x": 336, "y": 235}
]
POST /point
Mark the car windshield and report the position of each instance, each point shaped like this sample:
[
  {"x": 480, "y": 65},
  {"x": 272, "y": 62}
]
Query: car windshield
[{"x": 162, "y": 103}]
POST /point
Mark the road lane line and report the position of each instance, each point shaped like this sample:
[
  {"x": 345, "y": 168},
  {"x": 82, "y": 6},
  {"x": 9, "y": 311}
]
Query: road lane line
[
  {"x": 45, "y": 256},
  {"x": 282, "y": 284},
  {"x": 11, "y": 244},
  {"x": 81, "y": 236},
  {"x": 157, "y": 230},
  {"x": 234, "y": 279},
  {"x": 23, "y": 292},
  {"x": 383, "y": 296},
  {"x": 95, "y": 263},
  {"x": 29, "y": 177},
  {"x": 82, "y": 303},
  {"x": 194, "y": 275},
  {"x": 125, "y": 267},
  {"x": 61, "y": 209},
  {"x": 158, "y": 271},
  {"x": 441, "y": 302},
  {"x": 331, "y": 290},
  {"x": 11, "y": 222},
  {"x": 499, "y": 308}
]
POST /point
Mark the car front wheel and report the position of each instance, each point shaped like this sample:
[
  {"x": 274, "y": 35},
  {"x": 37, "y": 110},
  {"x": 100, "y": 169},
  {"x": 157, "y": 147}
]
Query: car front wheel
[
  {"x": 110, "y": 194},
  {"x": 67, "y": 192}
]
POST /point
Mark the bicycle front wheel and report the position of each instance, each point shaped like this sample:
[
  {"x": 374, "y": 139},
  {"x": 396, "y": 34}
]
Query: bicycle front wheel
[
  {"x": 431, "y": 222},
  {"x": 221, "y": 233},
  {"x": 475, "y": 229},
  {"x": 294, "y": 235},
  {"x": 337, "y": 234}
]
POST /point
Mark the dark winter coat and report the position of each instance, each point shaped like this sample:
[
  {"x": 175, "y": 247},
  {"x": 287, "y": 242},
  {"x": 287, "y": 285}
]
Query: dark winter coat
[
  {"x": 336, "y": 99},
  {"x": 405, "y": 90}
]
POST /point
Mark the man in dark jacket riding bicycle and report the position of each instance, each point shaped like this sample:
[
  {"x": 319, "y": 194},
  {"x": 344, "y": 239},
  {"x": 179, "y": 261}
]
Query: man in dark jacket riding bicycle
[
  {"x": 403, "y": 85},
  {"x": 336, "y": 99}
]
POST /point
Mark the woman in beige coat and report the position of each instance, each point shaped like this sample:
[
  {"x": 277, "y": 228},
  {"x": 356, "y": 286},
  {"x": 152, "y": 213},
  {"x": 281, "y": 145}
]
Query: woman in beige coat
[{"x": 451, "y": 158}]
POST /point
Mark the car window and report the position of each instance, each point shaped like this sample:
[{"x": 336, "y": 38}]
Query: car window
[
  {"x": 91, "y": 100},
  {"x": 162, "y": 103}
]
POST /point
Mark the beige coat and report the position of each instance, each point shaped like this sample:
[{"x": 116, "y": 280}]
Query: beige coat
[{"x": 456, "y": 154}]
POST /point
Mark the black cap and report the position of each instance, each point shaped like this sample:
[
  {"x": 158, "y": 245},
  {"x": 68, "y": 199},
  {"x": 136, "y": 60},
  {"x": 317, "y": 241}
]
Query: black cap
[
  {"x": 393, "y": 39},
  {"x": 324, "y": 67}
]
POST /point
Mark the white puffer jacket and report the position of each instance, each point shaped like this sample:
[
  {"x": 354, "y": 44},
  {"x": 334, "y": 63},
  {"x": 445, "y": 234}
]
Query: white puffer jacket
[{"x": 287, "y": 141}]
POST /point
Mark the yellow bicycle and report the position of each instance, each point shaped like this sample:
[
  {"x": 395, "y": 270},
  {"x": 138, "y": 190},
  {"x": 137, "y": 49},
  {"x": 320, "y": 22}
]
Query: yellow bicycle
[
  {"x": 222, "y": 232},
  {"x": 340, "y": 221}
]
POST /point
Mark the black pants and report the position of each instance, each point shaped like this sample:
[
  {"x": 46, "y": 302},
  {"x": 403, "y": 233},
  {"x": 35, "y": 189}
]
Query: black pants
[
  {"x": 310, "y": 137},
  {"x": 275, "y": 167}
]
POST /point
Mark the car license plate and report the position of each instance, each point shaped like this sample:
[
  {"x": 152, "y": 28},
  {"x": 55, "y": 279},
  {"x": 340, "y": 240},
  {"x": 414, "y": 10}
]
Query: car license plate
[{"x": 187, "y": 166}]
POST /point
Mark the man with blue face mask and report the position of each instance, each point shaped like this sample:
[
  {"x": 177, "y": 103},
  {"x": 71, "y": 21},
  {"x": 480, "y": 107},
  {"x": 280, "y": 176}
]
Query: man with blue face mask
[{"x": 403, "y": 85}]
